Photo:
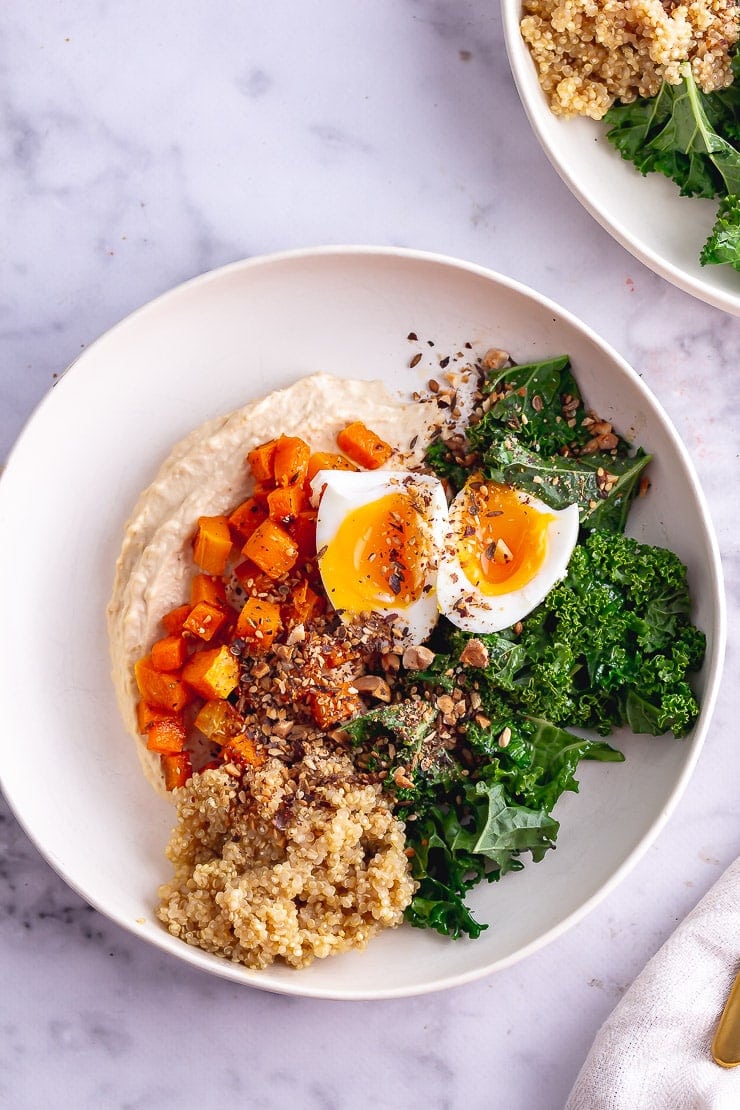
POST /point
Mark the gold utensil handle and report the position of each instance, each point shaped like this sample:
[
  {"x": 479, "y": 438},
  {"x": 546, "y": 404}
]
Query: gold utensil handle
[{"x": 726, "y": 1043}]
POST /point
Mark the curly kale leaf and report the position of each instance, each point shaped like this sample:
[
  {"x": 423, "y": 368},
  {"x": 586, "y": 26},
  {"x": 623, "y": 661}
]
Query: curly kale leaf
[
  {"x": 694, "y": 139},
  {"x": 562, "y": 480},
  {"x": 440, "y": 459},
  {"x": 723, "y": 244},
  {"x": 481, "y": 836},
  {"x": 529, "y": 402},
  {"x": 615, "y": 634},
  {"x": 539, "y": 761},
  {"x": 676, "y": 133}
]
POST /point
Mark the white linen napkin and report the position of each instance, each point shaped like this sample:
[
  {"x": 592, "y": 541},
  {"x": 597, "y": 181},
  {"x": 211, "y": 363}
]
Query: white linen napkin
[{"x": 653, "y": 1052}]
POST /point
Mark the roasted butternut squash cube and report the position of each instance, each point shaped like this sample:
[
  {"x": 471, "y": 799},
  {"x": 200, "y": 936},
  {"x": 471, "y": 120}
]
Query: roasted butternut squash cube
[
  {"x": 204, "y": 587},
  {"x": 212, "y": 544},
  {"x": 272, "y": 549},
  {"x": 253, "y": 580},
  {"x": 204, "y": 621},
  {"x": 285, "y": 503},
  {"x": 363, "y": 446},
  {"x": 167, "y": 735},
  {"x": 304, "y": 604},
  {"x": 176, "y": 769},
  {"x": 258, "y": 623},
  {"x": 159, "y": 688},
  {"x": 218, "y": 721},
  {"x": 212, "y": 672},
  {"x": 290, "y": 464},
  {"x": 260, "y": 460},
  {"x": 169, "y": 653},
  {"x": 247, "y": 516},
  {"x": 331, "y": 707},
  {"x": 327, "y": 460},
  {"x": 147, "y": 714},
  {"x": 244, "y": 749},
  {"x": 175, "y": 619},
  {"x": 303, "y": 531}
]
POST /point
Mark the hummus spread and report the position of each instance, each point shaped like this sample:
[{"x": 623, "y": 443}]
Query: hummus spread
[{"x": 205, "y": 475}]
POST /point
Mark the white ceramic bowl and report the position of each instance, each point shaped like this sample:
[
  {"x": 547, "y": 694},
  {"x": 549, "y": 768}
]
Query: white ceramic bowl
[
  {"x": 645, "y": 214},
  {"x": 69, "y": 771}
]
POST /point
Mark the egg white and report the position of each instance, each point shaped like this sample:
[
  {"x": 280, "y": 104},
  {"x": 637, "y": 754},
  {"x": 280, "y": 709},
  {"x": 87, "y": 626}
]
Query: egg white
[
  {"x": 338, "y": 492},
  {"x": 469, "y": 608}
]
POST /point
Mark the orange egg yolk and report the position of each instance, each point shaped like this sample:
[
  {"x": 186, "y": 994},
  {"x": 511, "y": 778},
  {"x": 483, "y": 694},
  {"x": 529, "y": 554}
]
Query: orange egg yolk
[
  {"x": 501, "y": 539},
  {"x": 377, "y": 557}
]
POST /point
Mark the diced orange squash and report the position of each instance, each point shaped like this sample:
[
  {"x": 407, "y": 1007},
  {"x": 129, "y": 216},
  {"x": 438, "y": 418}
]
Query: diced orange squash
[
  {"x": 244, "y": 749},
  {"x": 212, "y": 544},
  {"x": 167, "y": 735},
  {"x": 204, "y": 621},
  {"x": 304, "y": 604},
  {"x": 331, "y": 707},
  {"x": 212, "y": 672},
  {"x": 166, "y": 691},
  {"x": 204, "y": 587},
  {"x": 253, "y": 580},
  {"x": 272, "y": 549},
  {"x": 177, "y": 769},
  {"x": 363, "y": 446},
  {"x": 303, "y": 531},
  {"x": 218, "y": 721},
  {"x": 285, "y": 503},
  {"x": 175, "y": 619},
  {"x": 290, "y": 464},
  {"x": 327, "y": 460},
  {"x": 261, "y": 460},
  {"x": 246, "y": 517},
  {"x": 339, "y": 654},
  {"x": 258, "y": 623},
  {"x": 147, "y": 714},
  {"x": 169, "y": 653},
  {"x": 260, "y": 492}
]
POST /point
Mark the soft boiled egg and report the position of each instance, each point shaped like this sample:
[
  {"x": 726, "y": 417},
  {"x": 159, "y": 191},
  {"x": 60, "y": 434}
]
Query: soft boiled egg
[
  {"x": 378, "y": 535},
  {"x": 504, "y": 551}
]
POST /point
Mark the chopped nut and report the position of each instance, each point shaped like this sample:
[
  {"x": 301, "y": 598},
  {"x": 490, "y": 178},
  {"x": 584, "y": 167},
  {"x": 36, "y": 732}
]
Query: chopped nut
[
  {"x": 495, "y": 359},
  {"x": 296, "y": 635},
  {"x": 504, "y": 738},
  {"x": 445, "y": 704},
  {"x": 390, "y": 662},
  {"x": 418, "y": 658},
  {"x": 373, "y": 685},
  {"x": 474, "y": 654},
  {"x": 282, "y": 728},
  {"x": 482, "y": 720},
  {"x": 401, "y": 778}
]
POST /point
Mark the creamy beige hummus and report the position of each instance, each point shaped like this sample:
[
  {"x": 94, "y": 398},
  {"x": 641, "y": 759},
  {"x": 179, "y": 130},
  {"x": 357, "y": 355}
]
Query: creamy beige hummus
[{"x": 205, "y": 475}]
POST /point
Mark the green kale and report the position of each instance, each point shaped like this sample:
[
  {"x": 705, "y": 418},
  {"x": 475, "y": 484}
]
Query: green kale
[
  {"x": 561, "y": 480},
  {"x": 675, "y": 133},
  {"x": 480, "y": 836},
  {"x": 723, "y": 244},
  {"x": 441, "y": 460},
  {"x": 694, "y": 139},
  {"x": 534, "y": 435},
  {"x": 529, "y": 401}
]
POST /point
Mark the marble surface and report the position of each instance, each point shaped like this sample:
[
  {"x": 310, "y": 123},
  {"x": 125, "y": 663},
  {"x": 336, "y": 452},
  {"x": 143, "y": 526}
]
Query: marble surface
[{"x": 143, "y": 144}]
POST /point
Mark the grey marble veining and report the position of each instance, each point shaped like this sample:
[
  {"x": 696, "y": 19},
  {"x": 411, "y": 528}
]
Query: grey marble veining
[{"x": 144, "y": 143}]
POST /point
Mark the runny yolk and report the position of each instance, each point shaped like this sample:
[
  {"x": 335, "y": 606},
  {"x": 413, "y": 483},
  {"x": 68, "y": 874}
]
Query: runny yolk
[
  {"x": 377, "y": 557},
  {"x": 502, "y": 540}
]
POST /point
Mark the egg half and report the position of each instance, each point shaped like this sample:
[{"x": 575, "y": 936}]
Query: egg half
[
  {"x": 379, "y": 535},
  {"x": 504, "y": 551}
]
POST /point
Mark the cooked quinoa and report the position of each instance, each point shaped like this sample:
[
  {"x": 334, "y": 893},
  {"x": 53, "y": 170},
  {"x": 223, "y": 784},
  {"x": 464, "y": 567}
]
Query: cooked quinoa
[
  {"x": 590, "y": 53},
  {"x": 285, "y": 862}
]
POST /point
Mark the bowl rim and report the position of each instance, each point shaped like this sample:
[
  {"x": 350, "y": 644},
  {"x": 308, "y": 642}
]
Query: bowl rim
[
  {"x": 261, "y": 979},
  {"x": 519, "y": 59}
]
